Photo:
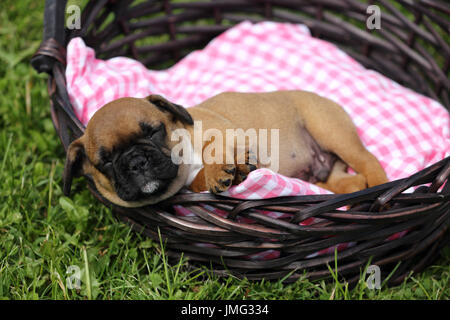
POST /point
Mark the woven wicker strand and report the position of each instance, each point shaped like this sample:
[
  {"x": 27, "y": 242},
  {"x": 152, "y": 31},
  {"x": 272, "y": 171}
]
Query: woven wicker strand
[{"x": 412, "y": 49}]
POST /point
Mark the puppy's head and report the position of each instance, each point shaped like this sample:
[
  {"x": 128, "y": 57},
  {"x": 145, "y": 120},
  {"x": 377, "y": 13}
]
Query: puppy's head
[{"x": 126, "y": 151}]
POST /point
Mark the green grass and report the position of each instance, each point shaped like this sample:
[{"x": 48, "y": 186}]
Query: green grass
[{"x": 42, "y": 233}]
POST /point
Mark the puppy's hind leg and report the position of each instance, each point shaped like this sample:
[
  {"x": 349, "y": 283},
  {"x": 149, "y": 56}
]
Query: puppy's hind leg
[
  {"x": 339, "y": 181},
  {"x": 335, "y": 132}
]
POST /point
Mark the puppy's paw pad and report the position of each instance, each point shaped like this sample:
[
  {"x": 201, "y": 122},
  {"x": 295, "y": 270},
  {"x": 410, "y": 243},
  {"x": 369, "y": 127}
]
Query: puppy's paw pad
[
  {"x": 244, "y": 169},
  {"x": 231, "y": 170},
  {"x": 220, "y": 178},
  {"x": 226, "y": 183}
]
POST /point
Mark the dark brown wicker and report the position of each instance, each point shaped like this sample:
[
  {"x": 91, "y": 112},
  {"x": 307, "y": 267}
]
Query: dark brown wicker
[{"x": 412, "y": 49}]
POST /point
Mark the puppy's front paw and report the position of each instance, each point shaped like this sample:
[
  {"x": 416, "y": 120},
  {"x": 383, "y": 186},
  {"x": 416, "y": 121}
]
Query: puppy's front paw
[
  {"x": 219, "y": 177},
  {"x": 245, "y": 168}
]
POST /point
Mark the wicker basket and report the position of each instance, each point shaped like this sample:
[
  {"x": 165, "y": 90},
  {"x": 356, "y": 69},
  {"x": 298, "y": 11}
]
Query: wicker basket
[{"x": 409, "y": 49}]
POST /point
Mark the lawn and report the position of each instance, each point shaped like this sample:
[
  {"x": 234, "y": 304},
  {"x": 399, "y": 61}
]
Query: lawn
[{"x": 43, "y": 233}]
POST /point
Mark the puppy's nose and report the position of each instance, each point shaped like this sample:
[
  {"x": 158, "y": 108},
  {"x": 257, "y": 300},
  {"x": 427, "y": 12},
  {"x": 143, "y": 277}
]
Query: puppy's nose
[{"x": 150, "y": 187}]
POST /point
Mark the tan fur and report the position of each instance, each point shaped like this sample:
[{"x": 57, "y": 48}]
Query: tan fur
[{"x": 288, "y": 111}]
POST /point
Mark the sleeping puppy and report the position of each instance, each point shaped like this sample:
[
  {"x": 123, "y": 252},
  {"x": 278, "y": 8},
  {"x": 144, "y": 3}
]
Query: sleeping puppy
[{"x": 128, "y": 149}]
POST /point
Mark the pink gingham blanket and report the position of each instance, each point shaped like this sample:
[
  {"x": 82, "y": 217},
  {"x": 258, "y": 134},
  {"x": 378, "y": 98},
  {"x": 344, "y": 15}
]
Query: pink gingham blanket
[{"x": 406, "y": 131}]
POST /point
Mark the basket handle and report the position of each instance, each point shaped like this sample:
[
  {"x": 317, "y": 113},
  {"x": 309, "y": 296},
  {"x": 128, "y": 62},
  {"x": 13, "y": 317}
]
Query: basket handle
[{"x": 52, "y": 45}]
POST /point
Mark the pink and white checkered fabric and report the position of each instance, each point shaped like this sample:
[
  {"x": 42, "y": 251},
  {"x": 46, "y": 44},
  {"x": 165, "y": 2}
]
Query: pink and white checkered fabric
[{"x": 406, "y": 131}]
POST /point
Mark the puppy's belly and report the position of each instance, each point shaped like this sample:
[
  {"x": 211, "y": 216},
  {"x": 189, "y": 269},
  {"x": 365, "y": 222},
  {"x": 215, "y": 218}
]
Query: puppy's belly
[
  {"x": 312, "y": 167},
  {"x": 301, "y": 157}
]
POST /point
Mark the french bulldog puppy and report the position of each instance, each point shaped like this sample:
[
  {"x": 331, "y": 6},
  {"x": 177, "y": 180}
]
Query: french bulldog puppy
[{"x": 127, "y": 148}]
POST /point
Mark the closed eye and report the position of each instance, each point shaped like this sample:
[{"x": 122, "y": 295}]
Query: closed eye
[
  {"x": 159, "y": 133},
  {"x": 152, "y": 131},
  {"x": 152, "y": 135}
]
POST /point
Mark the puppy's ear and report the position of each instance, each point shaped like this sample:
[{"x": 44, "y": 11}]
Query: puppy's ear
[
  {"x": 176, "y": 110},
  {"x": 74, "y": 161}
]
